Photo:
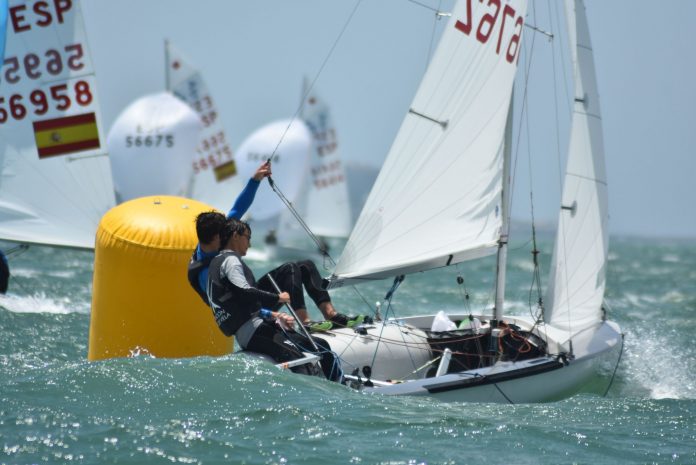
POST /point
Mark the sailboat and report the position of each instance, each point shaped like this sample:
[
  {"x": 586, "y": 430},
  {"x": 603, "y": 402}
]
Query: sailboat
[
  {"x": 325, "y": 205},
  {"x": 315, "y": 183},
  {"x": 55, "y": 178},
  {"x": 214, "y": 178},
  {"x": 442, "y": 198},
  {"x": 175, "y": 141}
]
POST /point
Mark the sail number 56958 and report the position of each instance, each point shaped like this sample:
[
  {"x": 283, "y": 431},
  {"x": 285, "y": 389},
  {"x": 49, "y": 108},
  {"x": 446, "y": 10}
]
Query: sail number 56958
[
  {"x": 489, "y": 22},
  {"x": 59, "y": 96}
]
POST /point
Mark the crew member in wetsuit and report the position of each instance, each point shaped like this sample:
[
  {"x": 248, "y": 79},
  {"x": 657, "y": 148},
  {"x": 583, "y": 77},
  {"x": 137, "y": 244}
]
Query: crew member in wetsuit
[
  {"x": 208, "y": 226},
  {"x": 292, "y": 274},
  {"x": 249, "y": 313}
]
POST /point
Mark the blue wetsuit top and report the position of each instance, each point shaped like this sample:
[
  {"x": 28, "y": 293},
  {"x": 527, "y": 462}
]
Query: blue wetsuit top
[{"x": 240, "y": 207}]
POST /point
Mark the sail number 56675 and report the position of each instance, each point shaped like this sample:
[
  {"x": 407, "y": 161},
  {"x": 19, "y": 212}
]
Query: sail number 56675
[{"x": 488, "y": 23}]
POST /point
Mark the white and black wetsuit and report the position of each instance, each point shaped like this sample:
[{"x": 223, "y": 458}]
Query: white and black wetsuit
[{"x": 236, "y": 302}]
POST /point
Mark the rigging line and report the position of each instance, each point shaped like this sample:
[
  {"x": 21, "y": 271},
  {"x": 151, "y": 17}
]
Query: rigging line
[
  {"x": 623, "y": 336},
  {"x": 561, "y": 235},
  {"x": 427, "y": 7},
  {"x": 309, "y": 88},
  {"x": 563, "y": 60},
  {"x": 503, "y": 394},
  {"x": 18, "y": 250},
  {"x": 523, "y": 111},
  {"x": 298, "y": 217},
  {"x": 432, "y": 34}
]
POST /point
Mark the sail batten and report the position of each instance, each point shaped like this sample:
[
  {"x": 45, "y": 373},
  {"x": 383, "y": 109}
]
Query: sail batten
[{"x": 437, "y": 200}]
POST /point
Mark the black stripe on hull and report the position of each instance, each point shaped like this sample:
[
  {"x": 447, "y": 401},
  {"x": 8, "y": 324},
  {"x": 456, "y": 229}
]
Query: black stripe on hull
[{"x": 494, "y": 378}]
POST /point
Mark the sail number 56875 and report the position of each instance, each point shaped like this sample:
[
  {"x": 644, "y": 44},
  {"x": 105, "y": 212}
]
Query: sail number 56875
[{"x": 489, "y": 22}]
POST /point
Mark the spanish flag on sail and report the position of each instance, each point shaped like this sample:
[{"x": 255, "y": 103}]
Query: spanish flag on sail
[
  {"x": 60, "y": 136},
  {"x": 224, "y": 171}
]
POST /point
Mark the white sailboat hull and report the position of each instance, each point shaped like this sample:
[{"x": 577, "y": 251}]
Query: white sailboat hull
[{"x": 396, "y": 348}]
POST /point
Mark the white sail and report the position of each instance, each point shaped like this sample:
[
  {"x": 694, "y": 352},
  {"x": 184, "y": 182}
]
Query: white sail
[
  {"x": 578, "y": 272},
  {"x": 437, "y": 198},
  {"x": 290, "y": 164},
  {"x": 152, "y": 143},
  {"x": 55, "y": 178},
  {"x": 214, "y": 176},
  {"x": 327, "y": 210}
]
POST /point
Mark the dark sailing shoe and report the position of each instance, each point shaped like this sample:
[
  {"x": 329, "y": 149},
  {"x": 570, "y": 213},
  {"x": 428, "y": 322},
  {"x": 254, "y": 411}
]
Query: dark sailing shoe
[{"x": 347, "y": 321}]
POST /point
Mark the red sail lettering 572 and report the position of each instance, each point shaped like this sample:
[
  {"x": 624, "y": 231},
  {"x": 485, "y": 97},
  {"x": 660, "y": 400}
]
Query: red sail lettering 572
[{"x": 489, "y": 22}]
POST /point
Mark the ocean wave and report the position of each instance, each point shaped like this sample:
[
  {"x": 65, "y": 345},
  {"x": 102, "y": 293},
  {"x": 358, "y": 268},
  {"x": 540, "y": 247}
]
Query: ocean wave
[{"x": 40, "y": 303}]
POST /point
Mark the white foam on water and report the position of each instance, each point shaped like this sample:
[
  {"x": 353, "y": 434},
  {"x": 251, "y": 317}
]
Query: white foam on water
[
  {"x": 39, "y": 303},
  {"x": 658, "y": 364}
]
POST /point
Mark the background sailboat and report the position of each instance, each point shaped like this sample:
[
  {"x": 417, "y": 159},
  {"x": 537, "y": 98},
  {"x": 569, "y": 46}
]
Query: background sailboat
[
  {"x": 325, "y": 207},
  {"x": 317, "y": 187},
  {"x": 442, "y": 198},
  {"x": 151, "y": 145},
  {"x": 55, "y": 178},
  {"x": 170, "y": 142},
  {"x": 214, "y": 178}
]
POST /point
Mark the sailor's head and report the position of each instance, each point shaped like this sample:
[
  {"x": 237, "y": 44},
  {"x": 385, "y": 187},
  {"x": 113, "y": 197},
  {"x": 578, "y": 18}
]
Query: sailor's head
[
  {"x": 208, "y": 227},
  {"x": 236, "y": 235}
]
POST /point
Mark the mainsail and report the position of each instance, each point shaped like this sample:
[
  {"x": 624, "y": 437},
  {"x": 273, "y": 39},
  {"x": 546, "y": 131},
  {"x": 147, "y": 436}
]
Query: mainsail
[
  {"x": 214, "y": 177},
  {"x": 437, "y": 200},
  {"x": 55, "y": 178},
  {"x": 578, "y": 278}
]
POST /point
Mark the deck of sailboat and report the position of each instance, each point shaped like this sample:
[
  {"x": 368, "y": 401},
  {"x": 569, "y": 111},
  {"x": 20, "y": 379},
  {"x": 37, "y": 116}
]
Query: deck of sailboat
[{"x": 551, "y": 375}]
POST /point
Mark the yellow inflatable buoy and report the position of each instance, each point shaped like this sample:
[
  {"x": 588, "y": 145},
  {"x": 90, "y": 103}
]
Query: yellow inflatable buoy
[{"x": 141, "y": 299}]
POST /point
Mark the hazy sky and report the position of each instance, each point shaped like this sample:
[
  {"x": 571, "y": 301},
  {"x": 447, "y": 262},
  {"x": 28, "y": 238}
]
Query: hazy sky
[{"x": 254, "y": 54}]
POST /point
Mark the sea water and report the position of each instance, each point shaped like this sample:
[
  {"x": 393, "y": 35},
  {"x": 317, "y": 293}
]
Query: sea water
[{"x": 55, "y": 407}]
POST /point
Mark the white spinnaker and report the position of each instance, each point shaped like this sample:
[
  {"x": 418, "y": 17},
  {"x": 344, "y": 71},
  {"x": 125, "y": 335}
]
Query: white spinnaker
[
  {"x": 578, "y": 270},
  {"x": 437, "y": 198},
  {"x": 327, "y": 210},
  {"x": 151, "y": 145},
  {"x": 214, "y": 178},
  {"x": 55, "y": 180},
  {"x": 290, "y": 164}
]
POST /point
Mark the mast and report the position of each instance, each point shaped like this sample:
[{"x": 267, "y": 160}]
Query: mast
[
  {"x": 505, "y": 226},
  {"x": 167, "y": 80}
]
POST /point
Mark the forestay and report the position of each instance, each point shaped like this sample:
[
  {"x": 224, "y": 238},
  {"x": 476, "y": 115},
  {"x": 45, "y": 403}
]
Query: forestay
[
  {"x": 437, "y": 200},
  {"x": 214, "y": 179},
  {"x": 578, "y": 274},
  {"x": 55, "y": 178}
]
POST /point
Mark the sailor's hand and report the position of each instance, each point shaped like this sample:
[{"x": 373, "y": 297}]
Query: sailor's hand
[
  {"x": 283, "y": 298},
  {"x": 262, "y": 171},
  {"x": 285, "y": 321}
]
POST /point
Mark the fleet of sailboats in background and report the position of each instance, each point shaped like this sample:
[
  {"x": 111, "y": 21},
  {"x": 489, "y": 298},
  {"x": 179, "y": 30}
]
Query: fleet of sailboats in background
[
  {"x": 442, "y": 198},
  {"x": 55, "y": 177}
]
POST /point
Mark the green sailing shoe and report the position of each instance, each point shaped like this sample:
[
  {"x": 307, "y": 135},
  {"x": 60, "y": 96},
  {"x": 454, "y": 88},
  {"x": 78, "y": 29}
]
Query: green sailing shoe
[{"x": 319, "y": 326}]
